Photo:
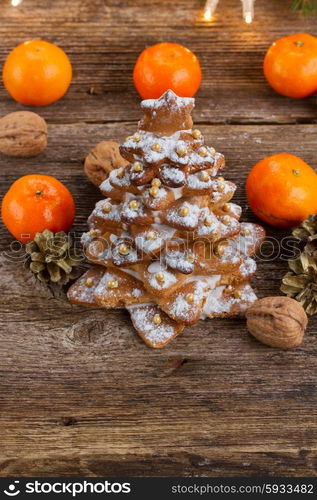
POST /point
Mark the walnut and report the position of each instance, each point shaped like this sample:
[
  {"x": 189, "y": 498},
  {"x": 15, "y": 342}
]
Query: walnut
[
  {"x": 277, "y": 321},
  {"x": 103, "y": 158},
  {"x": 22, "y": 133}
]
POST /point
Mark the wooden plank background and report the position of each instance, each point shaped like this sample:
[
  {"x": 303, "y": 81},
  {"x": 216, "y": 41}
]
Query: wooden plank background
[{"x": 80, "y": 394}]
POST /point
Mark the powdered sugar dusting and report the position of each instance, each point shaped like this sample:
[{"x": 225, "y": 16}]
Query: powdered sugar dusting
[
  {"x": 190, "y": 220},
  {"x": 217, "y": 305},
  {"x": 171, "y": 99},
  {"x": 181, "y": 309},
  {"x": 247, "y": 268},
  {"x": 178, "y": 260},
  {"x": 169, "y": 149},
  {"x": 157, "y": 268},
  {"x": 172, "y": 175},
  {"x": 113, "y": 214},
  {"x": 148, "y": 245},
  {"x": 142, "y": 318}
]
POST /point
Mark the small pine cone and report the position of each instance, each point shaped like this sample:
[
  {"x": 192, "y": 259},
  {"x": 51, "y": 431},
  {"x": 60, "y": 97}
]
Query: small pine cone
[{"x": 52, "y": 257}]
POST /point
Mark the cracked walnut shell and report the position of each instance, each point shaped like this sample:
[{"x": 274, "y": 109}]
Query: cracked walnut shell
[
  {"x": 277, "y": 322},
  {"x": 103, "y": 158},
  {"x": 22, "y": 133}
]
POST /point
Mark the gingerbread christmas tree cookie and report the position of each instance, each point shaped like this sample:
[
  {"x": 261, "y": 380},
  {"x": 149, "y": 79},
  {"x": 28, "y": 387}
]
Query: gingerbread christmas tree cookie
[{"x": 166, "y": 241}]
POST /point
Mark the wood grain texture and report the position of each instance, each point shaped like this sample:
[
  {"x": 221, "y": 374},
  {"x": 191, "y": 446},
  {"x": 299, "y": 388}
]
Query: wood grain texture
[{"x": 80, "y": 394}]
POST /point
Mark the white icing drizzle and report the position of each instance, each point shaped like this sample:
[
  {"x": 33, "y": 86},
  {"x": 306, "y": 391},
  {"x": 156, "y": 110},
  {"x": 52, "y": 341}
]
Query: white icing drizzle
[
  {"x": 113, "y": 238},
  {"x": 156, "y": 267},
  {"x": 213, "y": 302},
  {"x": 157, "y": 218},
  {"x": 216, "y": 304},
  {"x": 105, "y": 186},
  {"x": 133, "y": 273},
  {"x": 178, "y": 193},
  {"x": 209, "y": 281},
  {"x": 130, "y": 307}
]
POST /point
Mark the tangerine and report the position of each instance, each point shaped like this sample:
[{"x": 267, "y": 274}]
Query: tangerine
[
  {"x": 167, "y": 66},
  {"x": 290, "y": 65},
  {"x": 37, "y": 73},
  {"x": 282, "y": 190},
  {"x": 37, "y": 202}
]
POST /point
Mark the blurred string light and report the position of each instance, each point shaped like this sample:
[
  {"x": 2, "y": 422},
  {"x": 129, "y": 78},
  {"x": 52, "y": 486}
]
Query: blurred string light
[
  {"x": 15, "y": 3},
  {"x": 247, "y": 9},
  {"x": 209, "y": 9}
]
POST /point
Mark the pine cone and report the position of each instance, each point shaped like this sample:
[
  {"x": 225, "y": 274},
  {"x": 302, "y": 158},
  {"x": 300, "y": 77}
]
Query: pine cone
[
  {"x": 307, "y": 231},
  {"x": 52, "y": 257},
  {"x": 301, "y": 282}
]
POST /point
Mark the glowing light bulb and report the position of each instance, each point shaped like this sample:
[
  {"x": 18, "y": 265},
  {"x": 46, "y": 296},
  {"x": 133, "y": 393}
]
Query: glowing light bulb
[
  {"x": 208, "y": 15},
  {"x": 15, "y": 3},
  {"x": 248, "y": 17},
  {"x": 248, "y": 10},
  {"x": 209, "y": 9}
]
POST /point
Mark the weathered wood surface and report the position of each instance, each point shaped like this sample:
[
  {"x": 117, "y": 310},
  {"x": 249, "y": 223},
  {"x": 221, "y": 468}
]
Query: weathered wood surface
[{"x": 80, "y": 394}]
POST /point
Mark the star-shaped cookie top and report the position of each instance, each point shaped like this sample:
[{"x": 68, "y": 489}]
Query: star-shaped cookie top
[{"x": 166, "y": 115}]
